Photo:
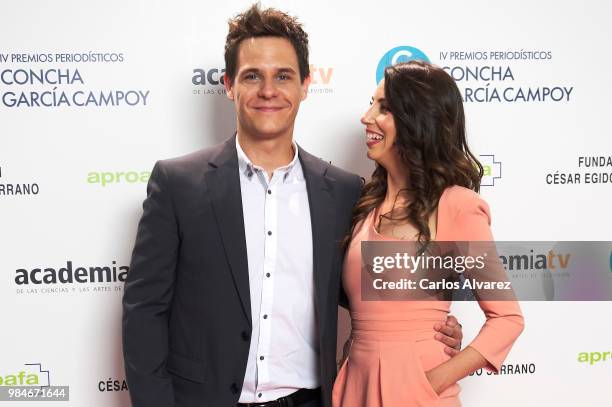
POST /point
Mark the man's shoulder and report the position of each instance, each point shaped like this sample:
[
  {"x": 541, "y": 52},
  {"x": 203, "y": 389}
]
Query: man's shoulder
[
  {"x": 348, "y": 184},
  {"x": 329, "y": 169},
  {"x": 342, "y": 175},
  {"x": 192, "y": 163}
]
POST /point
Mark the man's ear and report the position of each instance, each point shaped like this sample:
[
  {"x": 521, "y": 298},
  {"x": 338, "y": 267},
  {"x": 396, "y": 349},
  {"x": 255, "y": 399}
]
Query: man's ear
[
  {"x": 229, "y": 86},
  {"x": 305, "y": 86}
]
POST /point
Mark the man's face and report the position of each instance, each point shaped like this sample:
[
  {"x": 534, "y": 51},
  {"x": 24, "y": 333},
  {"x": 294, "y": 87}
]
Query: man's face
[{"x": 266, "y": 90}]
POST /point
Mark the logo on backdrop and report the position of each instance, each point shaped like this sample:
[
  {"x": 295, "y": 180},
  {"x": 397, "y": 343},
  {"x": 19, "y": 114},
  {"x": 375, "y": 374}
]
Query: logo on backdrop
[
  {"x": 557, "y": 262},
  {"x": 71, "y": 279},
  {"x": 112, "y": 384},
  {"x": 509, "y": 369},
  {"x": 594, "y": 358},
  {"x": 104, "y": 178},
  {"x": 492, "y": 170},
  {"x": 31, "y": 382},
  {"x": 491, "y": 76},
  {"x": 50, "y": 80},
  {"x": 32, "y": 374},
  {"x": 496, "y": 76},
  {"x": 321, "y": 80},
  {"x": 403, "y": 53},
  {"x": 588, "y": 170},
  {"x": 16, "y": 188},
  {"x": 208, "y": 81}
]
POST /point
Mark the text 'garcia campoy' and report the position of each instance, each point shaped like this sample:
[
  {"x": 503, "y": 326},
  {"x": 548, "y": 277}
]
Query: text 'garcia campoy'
[{"x": 61, "y": 91}]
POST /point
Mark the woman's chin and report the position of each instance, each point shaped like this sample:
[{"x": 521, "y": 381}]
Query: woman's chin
[{"x": 372, "y": 155}]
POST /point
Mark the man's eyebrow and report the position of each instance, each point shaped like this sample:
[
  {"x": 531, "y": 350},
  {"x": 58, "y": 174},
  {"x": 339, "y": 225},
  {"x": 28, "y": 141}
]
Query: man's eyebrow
[
  {"x": 286, "y": 69},
  {"x": 250, "y": 70},
  {"x": 259, "y": 71}
]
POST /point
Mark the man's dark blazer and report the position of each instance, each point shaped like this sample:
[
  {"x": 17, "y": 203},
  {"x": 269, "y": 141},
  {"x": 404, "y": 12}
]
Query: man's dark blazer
[{"x": 186, "y": 305}]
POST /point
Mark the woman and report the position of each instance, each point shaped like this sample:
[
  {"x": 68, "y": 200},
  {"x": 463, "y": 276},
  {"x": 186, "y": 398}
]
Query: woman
[{"x": 425, "y": 189}]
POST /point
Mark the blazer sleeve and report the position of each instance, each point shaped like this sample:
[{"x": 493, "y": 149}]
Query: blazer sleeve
[
  {"x": 356, "y": 188},
  {"x": 147, "y": 297},
  {"x": 504, "y": 319}
]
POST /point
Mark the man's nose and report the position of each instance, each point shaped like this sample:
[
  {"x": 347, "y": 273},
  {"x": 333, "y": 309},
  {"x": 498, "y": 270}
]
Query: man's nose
[{"x": 267, "y": 89}]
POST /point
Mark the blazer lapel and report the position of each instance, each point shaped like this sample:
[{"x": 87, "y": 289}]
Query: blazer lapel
[
  {"x": 223, "y": 184},
  {"x": 320, "y": 189}
]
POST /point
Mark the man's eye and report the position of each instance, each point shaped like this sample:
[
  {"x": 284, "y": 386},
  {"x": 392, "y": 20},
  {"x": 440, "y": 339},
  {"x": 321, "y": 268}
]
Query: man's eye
[
  {"x": 250, "y": 76},
  {"x": 283, "y": 77}
]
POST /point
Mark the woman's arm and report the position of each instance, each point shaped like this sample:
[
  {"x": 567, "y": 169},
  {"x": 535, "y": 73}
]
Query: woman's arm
[
  {"x": 459, "y": 366},
  {"x": 471, "y": 222}
]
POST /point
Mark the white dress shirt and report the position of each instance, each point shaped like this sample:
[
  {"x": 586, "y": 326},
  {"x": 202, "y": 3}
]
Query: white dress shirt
[{"x": 284, "y": 351}]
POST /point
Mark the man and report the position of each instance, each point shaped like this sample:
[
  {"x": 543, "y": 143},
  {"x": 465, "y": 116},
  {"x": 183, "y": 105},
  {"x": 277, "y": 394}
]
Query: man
[{"x": 234, "y": 283}]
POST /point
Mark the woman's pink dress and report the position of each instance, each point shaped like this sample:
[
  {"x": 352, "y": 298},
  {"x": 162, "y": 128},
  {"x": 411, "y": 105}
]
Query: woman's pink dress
[{"x": 393, "y": 342}]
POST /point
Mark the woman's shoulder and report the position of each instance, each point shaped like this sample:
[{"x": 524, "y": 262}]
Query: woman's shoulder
[
  {"x": 458, "y": 204},
  {"x": 457, "y": 199}
]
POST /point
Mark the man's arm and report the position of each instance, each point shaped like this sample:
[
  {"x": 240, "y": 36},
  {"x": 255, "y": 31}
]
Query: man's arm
[{"x": 148, "y": 295}]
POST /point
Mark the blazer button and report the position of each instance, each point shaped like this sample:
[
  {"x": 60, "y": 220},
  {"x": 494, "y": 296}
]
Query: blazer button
[
  {"x": 245, "y": 336},
  {"x": 234, "y": 387}
]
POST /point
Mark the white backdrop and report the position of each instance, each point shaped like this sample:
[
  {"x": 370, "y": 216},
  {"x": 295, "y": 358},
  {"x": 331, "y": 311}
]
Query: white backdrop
[{"x": 73, "y": 173}]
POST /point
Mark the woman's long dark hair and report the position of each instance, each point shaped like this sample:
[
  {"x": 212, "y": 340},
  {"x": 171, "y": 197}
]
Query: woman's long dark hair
[{"x": 428, "y": 113}]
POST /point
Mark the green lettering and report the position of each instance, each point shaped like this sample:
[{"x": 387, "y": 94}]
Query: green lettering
[
  {"x": 594, "y": 357},
  {"x": 93, "y": 178},
  {"x": 107, "y": 178},
  {"x": 131, "y": 177},
  {"x": 486, "y": 170}
]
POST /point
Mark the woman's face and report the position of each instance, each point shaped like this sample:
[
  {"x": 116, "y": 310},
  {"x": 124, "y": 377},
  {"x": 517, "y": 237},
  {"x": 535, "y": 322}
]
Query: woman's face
[{"x": 380, "y": 129}]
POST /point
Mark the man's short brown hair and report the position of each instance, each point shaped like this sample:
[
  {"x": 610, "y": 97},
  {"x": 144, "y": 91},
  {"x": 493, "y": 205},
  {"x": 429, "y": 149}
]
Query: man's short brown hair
[{"x": 270, "y": 22}]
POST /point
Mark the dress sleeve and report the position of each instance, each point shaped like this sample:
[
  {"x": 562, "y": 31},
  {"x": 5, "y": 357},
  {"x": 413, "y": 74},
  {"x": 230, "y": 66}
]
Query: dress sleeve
[{"x": 504, "y": 319}]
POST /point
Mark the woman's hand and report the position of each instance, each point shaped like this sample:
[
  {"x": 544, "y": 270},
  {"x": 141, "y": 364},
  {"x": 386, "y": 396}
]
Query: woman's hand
[
  {"x": 456, "y": 368},
  {"x": 436, "y": 380}
]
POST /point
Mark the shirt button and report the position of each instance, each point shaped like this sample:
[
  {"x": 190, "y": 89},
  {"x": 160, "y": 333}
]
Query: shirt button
[
  {"x": 269, "y": 192},
  {"x": 267, "y": 274},
  {"x": 259, "y": 395},
  {"x": 266, "y": 316},
  {"x": 261, "y": 358},
  {"x": 269, "y": 233}
]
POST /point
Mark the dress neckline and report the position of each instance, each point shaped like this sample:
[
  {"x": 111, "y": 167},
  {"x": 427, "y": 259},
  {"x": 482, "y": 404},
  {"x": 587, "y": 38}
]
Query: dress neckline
[{"x": 374, "y": 216}]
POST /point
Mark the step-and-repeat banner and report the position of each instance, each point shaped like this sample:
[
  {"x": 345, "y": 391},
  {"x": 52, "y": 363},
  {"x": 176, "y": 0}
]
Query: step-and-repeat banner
[{"x": 93, "y": 93}]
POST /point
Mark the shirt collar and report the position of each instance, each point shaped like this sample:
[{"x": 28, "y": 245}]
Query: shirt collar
[{"x": 247, "y": 168}]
